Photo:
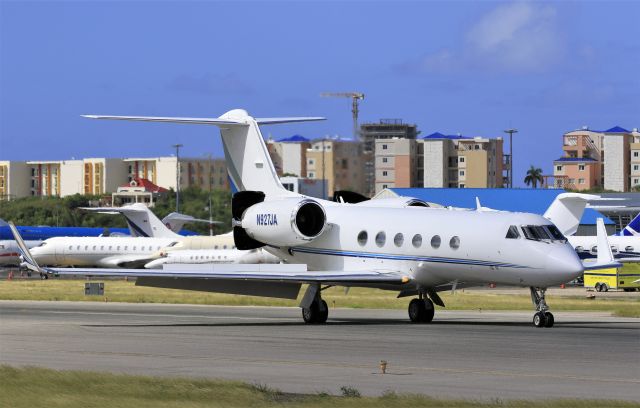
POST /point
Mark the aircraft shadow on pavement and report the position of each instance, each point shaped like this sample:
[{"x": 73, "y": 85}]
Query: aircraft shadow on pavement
[{"x": 381, "y": 322}]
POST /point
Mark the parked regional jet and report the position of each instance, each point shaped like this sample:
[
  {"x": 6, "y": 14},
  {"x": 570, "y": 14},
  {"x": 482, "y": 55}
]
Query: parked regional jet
[
  {"x": 415, "y": 251},
  {"x": 33, "y": 236},
  {"x": 150, "y": 237}
]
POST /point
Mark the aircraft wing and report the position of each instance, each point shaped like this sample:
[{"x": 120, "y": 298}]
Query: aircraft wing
[{"x": 294, "y": 273}]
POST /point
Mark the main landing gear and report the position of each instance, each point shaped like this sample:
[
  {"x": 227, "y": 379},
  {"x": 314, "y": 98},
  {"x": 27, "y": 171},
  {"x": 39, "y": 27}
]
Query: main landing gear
[
  {"x": 542, "y": 317},
  {"x": 314, "y": 309},
  {"x": 421, "y": 310},
  {"x": 318, "y": 312}
]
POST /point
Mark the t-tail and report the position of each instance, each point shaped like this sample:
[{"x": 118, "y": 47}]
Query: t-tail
[
  {"x": 248, "y": 163},
  {"x": 142, "y": 222}
]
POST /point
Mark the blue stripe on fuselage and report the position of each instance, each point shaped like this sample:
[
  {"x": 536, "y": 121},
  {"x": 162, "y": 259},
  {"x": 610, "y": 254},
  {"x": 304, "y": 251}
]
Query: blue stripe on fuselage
[{"x": 373, "y": 255}]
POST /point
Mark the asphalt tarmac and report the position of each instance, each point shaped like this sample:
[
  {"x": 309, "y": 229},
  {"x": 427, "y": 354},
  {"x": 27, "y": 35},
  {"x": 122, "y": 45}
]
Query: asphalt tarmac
[{"x": 471, "y": 355}]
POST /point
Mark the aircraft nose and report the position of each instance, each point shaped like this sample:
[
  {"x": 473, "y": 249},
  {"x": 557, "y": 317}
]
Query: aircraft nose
[{"x": 564, "y": 263}]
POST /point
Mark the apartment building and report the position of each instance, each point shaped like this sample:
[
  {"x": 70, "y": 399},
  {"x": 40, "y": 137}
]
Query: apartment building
[
  {"x": 289, "y": 155},
  {"x": 385, "y": 129},
  {"x": 98, "y": 176},
  {"x": 203, "y": 173},
  {"x": 12, "y": 175},
  {"x": 339, "y": 162},
  {"x": 395, "y": 163},
  {"x": 608, "y": 159}
]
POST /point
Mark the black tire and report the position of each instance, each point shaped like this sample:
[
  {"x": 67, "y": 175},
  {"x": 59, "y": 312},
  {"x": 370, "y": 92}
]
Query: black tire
[
  {"x": 549, "y": 320},
  {"x": 539, "y": 319},
  {"x": 323, "y": 312},
  {"x": 604, "y": 287},
  {"x": 429, "y": 311},
  {"x": 416, "y": 310},
  {"x": 598, "y": 287}
]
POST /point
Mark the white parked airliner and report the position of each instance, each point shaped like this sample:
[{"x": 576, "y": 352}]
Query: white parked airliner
[{"x": 415, "y": 251}]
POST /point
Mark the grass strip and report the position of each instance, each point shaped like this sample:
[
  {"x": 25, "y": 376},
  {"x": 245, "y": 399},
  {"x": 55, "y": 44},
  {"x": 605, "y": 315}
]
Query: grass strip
[
  {"x": 126, "y": 291},
  {"x": 32, "y": 387}
]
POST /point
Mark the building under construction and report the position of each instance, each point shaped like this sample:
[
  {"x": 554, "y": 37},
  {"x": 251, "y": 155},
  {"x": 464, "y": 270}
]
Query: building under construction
[{"x": 385, "y": 129}]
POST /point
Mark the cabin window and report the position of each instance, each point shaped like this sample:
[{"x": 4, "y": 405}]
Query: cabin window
[
  {"x": 215, "y": 247},
  {"x": 78, "y": 247},
  {"x": 417, "y": 241},
  {"x": 102, "y": 247},
  {"x": 110, "y": 247},
  {"x": 435, "y": 242},
  {"x": 513, "y": 232},
  {"x": 398, "y": 240},
  {"x": 126, "y": 247},
  {"x": 628, "y": 248},
  {"x": 70, "y": 247},
  {"x": 142, "y": 248},
  {"x": 118, "y": 248},
  {"x": 362, "y": 238},
  {"x": 86, "y": 247},
  {"x": 381, "y": 238},
  {"x": 454, "y": 242},
  {"x": 224, "y": 247},
  {"x": 134, "y": 247}
]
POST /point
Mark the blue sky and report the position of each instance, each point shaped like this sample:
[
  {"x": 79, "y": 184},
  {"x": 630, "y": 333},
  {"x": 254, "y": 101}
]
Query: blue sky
[{"x": 474, "y": 68}]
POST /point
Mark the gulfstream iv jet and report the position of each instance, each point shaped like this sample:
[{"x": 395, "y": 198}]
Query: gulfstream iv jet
[{"x": 403, "y": 246}]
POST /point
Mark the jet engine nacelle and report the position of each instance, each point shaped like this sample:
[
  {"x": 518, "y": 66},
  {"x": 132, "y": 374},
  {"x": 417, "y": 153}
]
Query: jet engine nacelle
[{"x": 286, "y": 222}]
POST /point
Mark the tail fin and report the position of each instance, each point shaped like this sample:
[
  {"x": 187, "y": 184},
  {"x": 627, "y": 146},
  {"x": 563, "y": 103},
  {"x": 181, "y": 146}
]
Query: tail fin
[
  {"x": 248, "y": 162},
  {"x": 633, "y": 228},
  {"x": 175, "y": 221},
  {"x": 567, "y": 209},
  {"x": 27, "y": 259},
  {"x": 141, "y": 220}
]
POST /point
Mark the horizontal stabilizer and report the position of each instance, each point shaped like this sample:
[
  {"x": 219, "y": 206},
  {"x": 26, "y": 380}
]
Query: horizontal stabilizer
[
  {"x": 206, "y": 121},
  {"x": 191, "y": 121}
]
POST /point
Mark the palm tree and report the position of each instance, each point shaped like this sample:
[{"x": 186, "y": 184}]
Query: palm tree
[{"x": 533, "y": 176}]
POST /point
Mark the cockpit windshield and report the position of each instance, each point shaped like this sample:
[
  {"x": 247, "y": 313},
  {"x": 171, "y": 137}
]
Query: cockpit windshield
[
  {"x": 543, "y": 233},
  {"x": 172, "y": 244}
]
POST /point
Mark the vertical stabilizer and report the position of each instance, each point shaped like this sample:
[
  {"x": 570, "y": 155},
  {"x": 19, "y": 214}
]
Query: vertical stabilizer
[
  {"x": 142, "y": 222},
  {"x": 567, "y": 209},
  {"x": 248, "y": 162}
]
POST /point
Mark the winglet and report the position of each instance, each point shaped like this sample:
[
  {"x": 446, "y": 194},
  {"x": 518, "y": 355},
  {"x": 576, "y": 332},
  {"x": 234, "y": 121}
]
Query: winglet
[
  {"x": 27, "y": 258},
  {"x": 605, "y": 259}
]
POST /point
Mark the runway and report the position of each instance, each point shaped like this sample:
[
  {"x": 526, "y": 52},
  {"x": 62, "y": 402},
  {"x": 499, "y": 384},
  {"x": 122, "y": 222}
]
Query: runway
[{"x": 472, "y": 355}]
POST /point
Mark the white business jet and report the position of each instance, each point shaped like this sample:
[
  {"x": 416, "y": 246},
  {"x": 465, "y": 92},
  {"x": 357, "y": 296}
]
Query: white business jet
[{"x": 415, "y": 251}]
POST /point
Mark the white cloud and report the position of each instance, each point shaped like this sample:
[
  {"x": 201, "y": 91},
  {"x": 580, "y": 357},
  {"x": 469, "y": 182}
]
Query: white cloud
[{"x": 520, "y": 36}]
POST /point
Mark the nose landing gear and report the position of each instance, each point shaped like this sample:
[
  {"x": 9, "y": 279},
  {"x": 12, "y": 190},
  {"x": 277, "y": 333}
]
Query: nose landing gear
[{"x": 542, "y": 317}]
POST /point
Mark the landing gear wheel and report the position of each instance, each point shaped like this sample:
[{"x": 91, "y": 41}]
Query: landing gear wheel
[
  {"x": 416, "y": 310},
  {"x": 323, "y": 312},
  {"x": 429, "y": 311},
  {"x": 421, "y": 311},
  {"x": 548, "y": 319},
  {"x": 539, "y": 319},
  {"x": 318, "y": 312}
]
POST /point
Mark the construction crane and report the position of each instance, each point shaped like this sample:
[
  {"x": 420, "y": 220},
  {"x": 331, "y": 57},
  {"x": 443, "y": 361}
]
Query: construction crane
[{"x": 355, "y": 97}]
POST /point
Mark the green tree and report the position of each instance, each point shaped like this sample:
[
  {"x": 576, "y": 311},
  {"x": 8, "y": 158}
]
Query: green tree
[{"x": 534, "y": 175}]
